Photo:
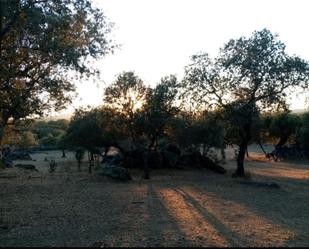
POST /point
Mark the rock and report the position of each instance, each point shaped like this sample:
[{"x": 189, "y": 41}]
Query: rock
[
  {"x": 195, "y": 159},
  {"x": 170, "y": 159},
  {"x": 113, "y": 159},
  {"x": 171, "y": 155},
  {"x": 209, "y": 164},
  {"x": 20, "y": 155},
  {"x": 191, "y": 159},
  {"x": 115, "y": 172},
  {"x": 26, "y": 166},
  {"x": 172, "y": 148},
  {"x": 134, "y": 159},
  {"x": 155, "y": 160}
]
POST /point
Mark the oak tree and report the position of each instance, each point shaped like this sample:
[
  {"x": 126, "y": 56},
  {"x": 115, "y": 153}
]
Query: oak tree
[
  {"x": 42, "y": 43},
  {"x": 250, "y": 75}
]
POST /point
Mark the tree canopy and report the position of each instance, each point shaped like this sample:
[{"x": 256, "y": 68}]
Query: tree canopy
[
  {"x": 42, "y": 43},
  {"x": 249, "y": 76},
  {"x": 159, "y": 108},
  {"x": 126, "y": 96}
]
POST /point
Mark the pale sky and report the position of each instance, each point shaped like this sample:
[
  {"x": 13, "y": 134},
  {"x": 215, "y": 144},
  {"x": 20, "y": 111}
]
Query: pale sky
[{"x": 158, "y": 36}]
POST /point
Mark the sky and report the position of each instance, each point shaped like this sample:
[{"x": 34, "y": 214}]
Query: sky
[{"x": 157, "y": 37}]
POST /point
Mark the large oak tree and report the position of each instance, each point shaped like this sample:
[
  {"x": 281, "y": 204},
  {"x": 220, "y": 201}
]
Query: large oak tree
[
  {"x": 126, "y": 96},
  {"x": 249, "y": 76},
  {"x": 159, "y": 108},
  {"x": 42, "y": 43}
]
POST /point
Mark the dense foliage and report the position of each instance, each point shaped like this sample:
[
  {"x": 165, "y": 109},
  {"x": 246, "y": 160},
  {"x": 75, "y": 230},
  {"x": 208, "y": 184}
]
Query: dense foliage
[
  {"x": 249, "y": 76},
  {"x": 36, "y": 134},
  {"x": 42, "y": 43}
]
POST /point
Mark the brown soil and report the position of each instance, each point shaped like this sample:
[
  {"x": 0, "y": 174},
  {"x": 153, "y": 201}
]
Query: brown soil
[{"x": 174, "y": 208}]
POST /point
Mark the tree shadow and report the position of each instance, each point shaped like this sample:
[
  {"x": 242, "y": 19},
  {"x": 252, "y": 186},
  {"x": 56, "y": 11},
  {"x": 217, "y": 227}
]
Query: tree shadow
[
  {"x": 162, "y": 225},
  {"x": 283, "y": 208},
  {"x": 232, "y": 239}
]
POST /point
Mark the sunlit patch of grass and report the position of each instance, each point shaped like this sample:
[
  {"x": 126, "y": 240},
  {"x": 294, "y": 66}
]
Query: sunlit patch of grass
[
  {"x": 236, "y": 222},
  {"x": 190, "y": 221},
  {"x": 257, "y": 157},
  {"x": 282, "y": 171}
]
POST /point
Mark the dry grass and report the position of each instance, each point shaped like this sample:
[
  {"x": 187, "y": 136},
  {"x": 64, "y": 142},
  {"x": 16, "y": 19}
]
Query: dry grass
[{"x": 174, "y": 208}]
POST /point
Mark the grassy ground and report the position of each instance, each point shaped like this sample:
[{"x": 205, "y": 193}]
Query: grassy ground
[{"x": 174, "y": 208}]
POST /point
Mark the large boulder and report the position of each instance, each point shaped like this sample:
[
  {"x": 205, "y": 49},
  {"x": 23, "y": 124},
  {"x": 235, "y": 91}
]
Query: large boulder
[
  {"x": 190, "y": 159},
  {"x": 20, "y": 155},
  {"x": 113, "y": 159},
  {"x": 170, "y": 155},
  {"x": 26, "y": 166},
  {"x": 172, "y": 148},
  {"x": 170, "y": 159},
  {"x": 155, "y": 160},
  {"x": 134, "y": 159},
  {"x": 196, "y": 159},
  {"x": 115, "y": 172},
  {"x": 209, "y": 164}
]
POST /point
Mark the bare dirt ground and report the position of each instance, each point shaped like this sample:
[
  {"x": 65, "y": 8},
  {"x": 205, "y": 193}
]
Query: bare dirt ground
[{"x": 174, "y": 208}]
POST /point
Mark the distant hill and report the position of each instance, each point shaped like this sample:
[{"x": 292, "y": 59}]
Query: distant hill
[
  {"x": 69, "y": 115},
  {"x": 59, "y": 116},
  {"x": 299, "y": 111}
]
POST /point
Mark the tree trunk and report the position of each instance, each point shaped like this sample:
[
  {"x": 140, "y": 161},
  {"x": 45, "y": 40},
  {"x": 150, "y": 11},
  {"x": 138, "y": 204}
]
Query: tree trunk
[
  {"x": 277, "y": 152},
  {"x": 153, "y": 143},
  {"x": 204, "y": 149},
  {"x": 240, "y": 171},
  {"x": 78, "y": 165},
  {"x": 246, "y": 137},
  {"x": 90, "y": 167},
  {"x": 247, "y": 153},
  {"x": 133, "y": 145},
  {"x": 260, "y": 144},
  {"x": 63, "y": 153},
  {"x": 91, "y": 162},
  {"x": 88, "y": 154},
  {"x": 156, "y": 144},
  {"x": 104, "y": 154},
  {"x": 283, "y": 139},
  {"x": 222, "y": 154},
  {"x": 146, "y": 166}
]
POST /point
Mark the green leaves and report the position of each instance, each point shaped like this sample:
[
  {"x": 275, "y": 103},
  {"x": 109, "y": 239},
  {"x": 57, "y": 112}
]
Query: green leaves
[
  {"x": 255, "y": 69},
  {"x": 126, "y": 94},
  {"x": 160, "y": 106},
  {"x": 41, "y": 42},
  {"x": 93, "y": 128},
  {"x": 250, "y": 75}
]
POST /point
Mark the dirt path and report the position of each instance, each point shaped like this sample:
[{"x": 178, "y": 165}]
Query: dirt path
[{"x": 174, "y": 208}]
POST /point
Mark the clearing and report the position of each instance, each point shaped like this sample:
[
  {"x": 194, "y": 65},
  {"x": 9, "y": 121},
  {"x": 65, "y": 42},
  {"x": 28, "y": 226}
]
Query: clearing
[{"x": 173, "y": 208}]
